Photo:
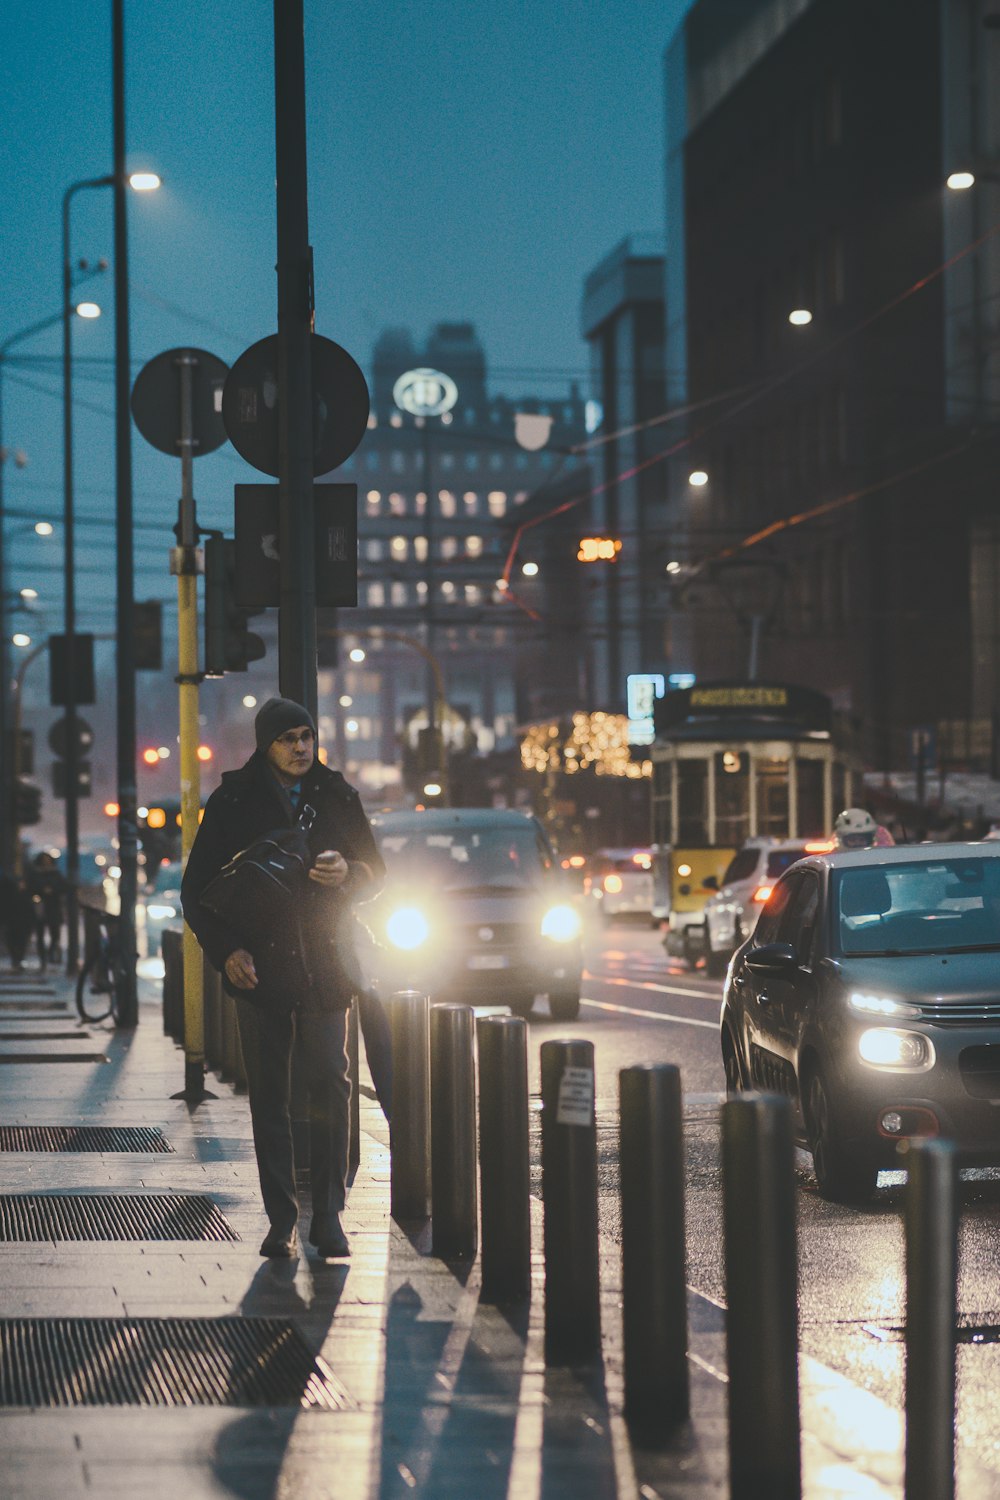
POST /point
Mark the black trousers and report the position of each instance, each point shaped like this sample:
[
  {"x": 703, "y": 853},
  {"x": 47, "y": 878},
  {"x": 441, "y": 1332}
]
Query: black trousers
[{"x": 267, "y": 1036}]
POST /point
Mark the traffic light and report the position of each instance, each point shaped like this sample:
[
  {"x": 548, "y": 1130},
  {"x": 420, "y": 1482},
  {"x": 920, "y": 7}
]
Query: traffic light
[
  {"x": 148, "y": 636},
  {"x": 229, "y": 645},
  {"x": 27, "y": 804}
]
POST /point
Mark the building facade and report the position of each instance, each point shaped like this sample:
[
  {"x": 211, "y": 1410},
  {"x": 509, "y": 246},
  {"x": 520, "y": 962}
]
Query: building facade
[
  {"x": 841, "y": 381},
  {"x": 439, "y": 498}
]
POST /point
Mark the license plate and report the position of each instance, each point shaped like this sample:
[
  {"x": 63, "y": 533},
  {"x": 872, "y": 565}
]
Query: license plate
[{"x": 488, "y": 961}]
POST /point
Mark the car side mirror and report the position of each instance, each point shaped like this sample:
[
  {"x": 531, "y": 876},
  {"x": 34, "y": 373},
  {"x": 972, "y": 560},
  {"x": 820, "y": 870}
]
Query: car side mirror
[
  {"x": 710, "y": 883},
  {"x": 772, "y": 959}
]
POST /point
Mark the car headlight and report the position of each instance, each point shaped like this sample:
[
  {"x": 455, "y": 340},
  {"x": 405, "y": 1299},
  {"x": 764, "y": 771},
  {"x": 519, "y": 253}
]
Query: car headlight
[
  {"x": 407, "y": 928},
  {"x": 881, "y": 1005},
  {"x": 161, "y": 913},
  {"x": 897, "y": 1051},
  {"x": 561, "y": 924}
]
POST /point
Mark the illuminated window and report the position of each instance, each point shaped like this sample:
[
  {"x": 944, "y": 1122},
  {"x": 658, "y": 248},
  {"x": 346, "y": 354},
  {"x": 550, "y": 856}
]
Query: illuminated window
[
  {"x": 447, "y": 460},
  {"x": 399, "y": 547},
  {"x": 470, "y": 499},
  {"x": 372, "y": 501},
  {"x": 473, "y": 593},
  {"x": 373, "y": 549},
  {"x": 372, "y": 420},
  {"x": 398, "y": 593},
  {"x": 376, "y": 595},
  {"x": 422, "y": 589},
  {"x": 472, "y": 462},
  {"x": 520, "y": 497},
  {"x": 397, "y": 503},
  {"x": 497, "y": 500},
  {"x": 420, "y": 548},
  {"x": 449, "y": 546},
  {"x": 395, "y": 420},
  {"x": 447, "y": 589},
  {"x": 474, "y": 546},
  {"x": 447, "y": 502}
]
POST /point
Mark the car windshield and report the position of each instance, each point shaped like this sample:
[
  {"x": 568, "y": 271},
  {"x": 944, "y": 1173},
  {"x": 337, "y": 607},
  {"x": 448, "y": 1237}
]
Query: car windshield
[
  {"x": 779, "y": 860},
  {"x": 742, "y": 866},
  {"x": 928, "y": 906},
  {"x": 467, "y": 859}
]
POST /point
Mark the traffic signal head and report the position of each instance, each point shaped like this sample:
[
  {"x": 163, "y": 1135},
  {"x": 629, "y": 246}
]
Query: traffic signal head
[
  {"x": 229, "y": 645},
  {"x": 27, "y": 804}
]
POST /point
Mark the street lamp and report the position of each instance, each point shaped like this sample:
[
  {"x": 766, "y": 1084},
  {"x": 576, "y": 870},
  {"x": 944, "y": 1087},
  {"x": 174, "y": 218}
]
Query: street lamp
[
  {"x": 140, "y": 182},
  {"x": 960, "y": 182}
]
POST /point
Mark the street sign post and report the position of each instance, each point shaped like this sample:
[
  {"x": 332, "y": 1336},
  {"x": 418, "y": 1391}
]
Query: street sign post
[{"x": 340, "y": 405}]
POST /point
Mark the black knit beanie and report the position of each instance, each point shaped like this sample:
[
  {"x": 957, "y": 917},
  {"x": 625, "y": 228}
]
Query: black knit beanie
[{"x": 277, "y": 715}]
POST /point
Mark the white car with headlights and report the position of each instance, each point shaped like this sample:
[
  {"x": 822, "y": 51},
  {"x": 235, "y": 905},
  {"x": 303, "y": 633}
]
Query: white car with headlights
[
  {"x": 476, "y": 909},
  {"x": 159, "y": 905},
  {"x": 868, "y": 994},
  {"x": 621, "y": 882},
  {"x": 731, "y": 913}
]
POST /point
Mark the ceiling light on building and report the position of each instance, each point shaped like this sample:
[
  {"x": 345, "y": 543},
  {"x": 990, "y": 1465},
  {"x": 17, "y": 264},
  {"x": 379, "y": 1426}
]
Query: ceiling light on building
[
  {"x": 800, "y": 316},
  {"x": 960, "y": 182},
  {"x": 698, "y": 478}
]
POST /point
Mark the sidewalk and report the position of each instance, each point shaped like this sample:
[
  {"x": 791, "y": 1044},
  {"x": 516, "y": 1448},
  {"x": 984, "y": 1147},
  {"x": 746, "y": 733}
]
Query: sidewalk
[{"x": 379, "y": 1377}]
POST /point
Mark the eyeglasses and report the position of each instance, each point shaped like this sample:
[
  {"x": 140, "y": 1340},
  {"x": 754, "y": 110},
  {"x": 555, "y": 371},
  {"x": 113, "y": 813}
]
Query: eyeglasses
[{"x": 292, "y": 738}]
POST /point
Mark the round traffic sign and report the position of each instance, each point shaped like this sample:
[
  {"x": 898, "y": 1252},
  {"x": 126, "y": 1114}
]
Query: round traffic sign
[
  {"x": 156, "y": 401},
  {"x": 59, "y": 739},
  {"x": 340, "y": 405}
]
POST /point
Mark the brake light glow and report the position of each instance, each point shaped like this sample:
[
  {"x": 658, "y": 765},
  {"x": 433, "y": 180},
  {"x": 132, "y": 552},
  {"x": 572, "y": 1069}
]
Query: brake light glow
[
  {"x": 821, "y": 846},
  {"x": 762, "y": 892},
  {"x": 612, "y": 884},
  {"x": 643, "y": 861}
]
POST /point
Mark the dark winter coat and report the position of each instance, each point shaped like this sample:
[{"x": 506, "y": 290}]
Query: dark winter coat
[{"x": 307, "y": 963}]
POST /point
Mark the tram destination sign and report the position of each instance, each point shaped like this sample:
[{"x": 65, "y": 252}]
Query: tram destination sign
[{"x": 785, "y": 702}]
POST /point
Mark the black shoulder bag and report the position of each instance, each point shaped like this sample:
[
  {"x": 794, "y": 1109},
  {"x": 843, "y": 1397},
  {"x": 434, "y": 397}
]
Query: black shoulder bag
[{"x": 262, "y": 885}]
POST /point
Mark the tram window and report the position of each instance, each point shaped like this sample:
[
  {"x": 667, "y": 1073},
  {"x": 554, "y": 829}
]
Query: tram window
[
  {"x": 810, "y": 798},
  {"x": 692, "y": 801},
  {"x": 732, "y": 797},
  {"x": 772, "y": 797}
]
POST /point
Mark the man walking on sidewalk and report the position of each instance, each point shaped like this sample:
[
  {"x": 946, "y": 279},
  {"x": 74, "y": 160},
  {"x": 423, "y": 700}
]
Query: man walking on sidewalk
[{"x": 290, "y": 978}]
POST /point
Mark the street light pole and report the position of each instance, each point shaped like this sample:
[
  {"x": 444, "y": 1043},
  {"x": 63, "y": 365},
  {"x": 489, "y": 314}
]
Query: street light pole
[
  {"x": 128, "y": 831},
  {"x": 8, "y": 828},
  {"x": 69, "y": 585}
]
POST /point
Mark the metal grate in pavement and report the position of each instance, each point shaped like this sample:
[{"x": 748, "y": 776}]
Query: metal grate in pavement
[
  {"x": 45, "y": 1036},
  {"x": 83, "y": 1138},
  {"x": 53, "y": 1057},
  {"x": 30, "y": 1003},
  {"x": 37, "y": 1217},
  {"x": 162, "y": 1362}
]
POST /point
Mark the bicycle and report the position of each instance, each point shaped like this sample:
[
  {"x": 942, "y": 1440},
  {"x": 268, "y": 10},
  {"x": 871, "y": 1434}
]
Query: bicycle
[{"x": 101, "y": 971}]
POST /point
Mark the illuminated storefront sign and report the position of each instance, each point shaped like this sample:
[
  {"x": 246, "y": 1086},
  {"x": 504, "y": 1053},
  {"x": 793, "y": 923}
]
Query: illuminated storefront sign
[
  {"x": 641, "y": 691},
  {"x": 425, "y": 393}
]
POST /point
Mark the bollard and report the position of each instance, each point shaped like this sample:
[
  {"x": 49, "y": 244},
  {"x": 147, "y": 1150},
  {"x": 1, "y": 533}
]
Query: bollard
[
  {"x": 654, "y": 1287},
  {"x": 569, "y": 1192},
  {"x": 409, "y": 1133},
  {"x": 454, "y": 1194},
  {"x": 931, "y": 1299},
  {"x": 504, "y": 1158},
  {"x": 758, "y": 1188}
]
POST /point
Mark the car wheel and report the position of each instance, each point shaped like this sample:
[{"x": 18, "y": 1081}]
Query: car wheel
[
  {"x": 731, "y": 1063},
  {"x": 692, "y": 950},
  {"x": 564, "y": 1004},
  {"x": 842, "y": 1177},
  {"x": 522, "y": 1005}
]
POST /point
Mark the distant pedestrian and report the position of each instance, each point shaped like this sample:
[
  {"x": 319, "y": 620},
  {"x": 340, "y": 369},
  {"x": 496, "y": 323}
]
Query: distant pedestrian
[
  {"x": 48, "y": 888},
  {"x": 17, "y": 909},
  {"x": 292, "y": 978}
]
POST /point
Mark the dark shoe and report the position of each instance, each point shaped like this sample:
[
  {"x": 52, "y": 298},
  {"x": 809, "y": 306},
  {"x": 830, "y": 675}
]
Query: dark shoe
[
  {"x": 328, "y": 1237},
  {"x": 279, "y": 1245}
]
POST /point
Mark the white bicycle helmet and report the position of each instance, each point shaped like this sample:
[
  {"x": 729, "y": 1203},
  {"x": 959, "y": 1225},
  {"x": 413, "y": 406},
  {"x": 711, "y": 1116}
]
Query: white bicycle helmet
[{"x": 855, "y": 829}]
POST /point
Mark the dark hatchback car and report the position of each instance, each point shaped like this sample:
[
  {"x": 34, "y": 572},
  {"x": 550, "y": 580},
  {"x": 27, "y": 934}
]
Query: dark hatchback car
[
  {"x": 870, "y": 994},
  {"x": 475, "y": 909}
]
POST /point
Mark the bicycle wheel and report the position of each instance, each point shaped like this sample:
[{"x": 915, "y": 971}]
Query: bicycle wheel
[{"x": 95, "y": 988}]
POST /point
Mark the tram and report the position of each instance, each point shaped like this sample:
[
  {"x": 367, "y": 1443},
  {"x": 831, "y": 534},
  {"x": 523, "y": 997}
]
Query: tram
[{"x": 734, "y": 761}]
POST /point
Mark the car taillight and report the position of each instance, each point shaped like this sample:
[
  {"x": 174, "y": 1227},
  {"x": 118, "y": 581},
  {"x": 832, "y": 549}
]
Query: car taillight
[
  {"x": 821, "y": 846},
  {"x": 762, "y": 892},
  {"x": 612, "y": 884}
]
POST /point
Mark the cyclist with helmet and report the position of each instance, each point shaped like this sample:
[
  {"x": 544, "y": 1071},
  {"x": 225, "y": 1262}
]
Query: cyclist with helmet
[{"x": 855, "y": 828}]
